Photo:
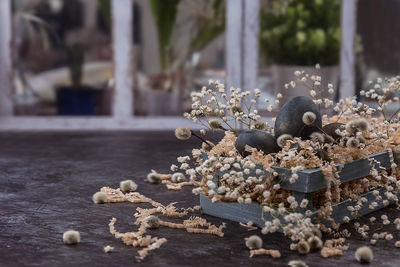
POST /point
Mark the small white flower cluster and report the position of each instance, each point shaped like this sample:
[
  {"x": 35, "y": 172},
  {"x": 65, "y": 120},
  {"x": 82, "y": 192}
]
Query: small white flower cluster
[
  {"x": 313, "y": 83},
  {"x": 384, "y": 92},
  {"x": 230, "y": 107}
]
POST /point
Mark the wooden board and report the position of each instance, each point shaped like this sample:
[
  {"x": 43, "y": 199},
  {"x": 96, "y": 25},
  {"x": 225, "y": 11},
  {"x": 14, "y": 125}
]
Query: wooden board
[
  {"x": 309, "y": 181},
  {"x": 313, "y": 180},
  {"x": 241, "y": 212}
]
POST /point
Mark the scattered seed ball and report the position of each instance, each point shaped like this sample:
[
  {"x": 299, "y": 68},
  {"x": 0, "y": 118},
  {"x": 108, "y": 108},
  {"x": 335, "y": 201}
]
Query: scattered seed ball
[
  {"x": 297, "y": 263},
  {"x": 71, "y": 237},
  {"x": 351, "y": 127},
  {"x": 352, "y": 142},
  {"x": 152, "y": 222},
  {"x": 309, "y": 118},
  {"x": 183, "y": 133},
  {"x": 153, "y": 178},
  {"x": 253, "y": 242},
  {"x": 317, "y": 137},
  {"x": 99, "y": 198},
  {"x": 214, "y": 124},
  {"x": 315, "y": 242},
  {"x": 207, "y": 146},
  {"x": 108, "y": 249},
  {"x": 282, "y": 140},
  {"x": 127, "y": 186},
  {"x": 178, "y": 177},
  {"x": 364, "y": 255},
  {"x": 303, "y": 247}
]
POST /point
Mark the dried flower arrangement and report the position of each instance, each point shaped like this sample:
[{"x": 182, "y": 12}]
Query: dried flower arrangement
[
  {"x": 263, "y": 165},
  {"x": 264, "y": 168}
]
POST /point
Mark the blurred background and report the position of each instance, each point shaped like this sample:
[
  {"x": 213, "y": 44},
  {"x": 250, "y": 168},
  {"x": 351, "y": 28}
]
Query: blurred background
[{"x": 140, "y": 59}]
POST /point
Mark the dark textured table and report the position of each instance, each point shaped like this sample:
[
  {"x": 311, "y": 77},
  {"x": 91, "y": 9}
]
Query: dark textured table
[{"x": 47, "y": 181}]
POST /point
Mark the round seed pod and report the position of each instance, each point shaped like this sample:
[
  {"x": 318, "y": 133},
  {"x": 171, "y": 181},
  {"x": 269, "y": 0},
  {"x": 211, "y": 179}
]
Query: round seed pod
[
  {"x": 99, "y": 198},
  {"x": 317, "y": 137},
  {"x": 303, "y": 247},
  {"x": 254, "y": 242},
  {"x": 153, "y": 178},
  {"x": 309, "y": 118},
  {"x": 352, "y": 142},
  {"x": 361, "y": 124},
  {"x": 282, "y": 140},
  {"x": 71, "y": 237},
  {"x": 183, "y": 133},
  {"x": 315, "y": 242},
  {"x": 364, "y": 254},
  {"x": 127, "y": 186},
  {"x": 152, "y": 222},
  {"x": 178, "y": 177}
]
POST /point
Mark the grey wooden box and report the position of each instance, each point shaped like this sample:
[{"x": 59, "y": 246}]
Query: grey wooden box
[{"x": 309, "y": 181}]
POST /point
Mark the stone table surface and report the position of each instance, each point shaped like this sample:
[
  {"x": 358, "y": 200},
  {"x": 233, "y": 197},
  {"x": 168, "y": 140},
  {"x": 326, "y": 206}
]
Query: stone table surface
[{"x": 47, "y": 180}]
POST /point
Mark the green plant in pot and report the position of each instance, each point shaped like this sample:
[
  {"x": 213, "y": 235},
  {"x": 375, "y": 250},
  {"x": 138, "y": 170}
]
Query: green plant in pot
[
  {"x": 168, "y": 86},
  {"x": 76, "y": 99},
  {"x": 297, "y": 35}
]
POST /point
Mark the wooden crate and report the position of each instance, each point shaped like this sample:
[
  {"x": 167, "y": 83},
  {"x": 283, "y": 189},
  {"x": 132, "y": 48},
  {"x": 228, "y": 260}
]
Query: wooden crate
[{"x": 308, "y": 182}]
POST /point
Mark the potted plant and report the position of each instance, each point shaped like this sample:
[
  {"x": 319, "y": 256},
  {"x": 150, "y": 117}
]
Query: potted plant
[
  {"x": 297, "y": 35},
  {"x": 76, "y": 99},
  {"x": 166, "y": 93}
]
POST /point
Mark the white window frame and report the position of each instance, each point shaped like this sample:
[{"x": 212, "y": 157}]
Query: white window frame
[{"x": 242, "y": 30}]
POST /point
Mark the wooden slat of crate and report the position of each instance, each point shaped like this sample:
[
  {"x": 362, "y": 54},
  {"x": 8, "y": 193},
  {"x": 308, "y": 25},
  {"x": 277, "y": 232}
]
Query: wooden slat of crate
[
  {"x": 313, "y": 180},
  {"x": 241, "y": 212}
]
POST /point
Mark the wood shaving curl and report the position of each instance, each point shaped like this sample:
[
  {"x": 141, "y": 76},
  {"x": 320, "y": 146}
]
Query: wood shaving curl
[
  {"x": 262, "y": 251},
  {"x": 250, "y": 227},
  {"x": 139, "y": 239},
  {"x": 156, "y": 244},
  {"x": 333, "y": 247}
]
